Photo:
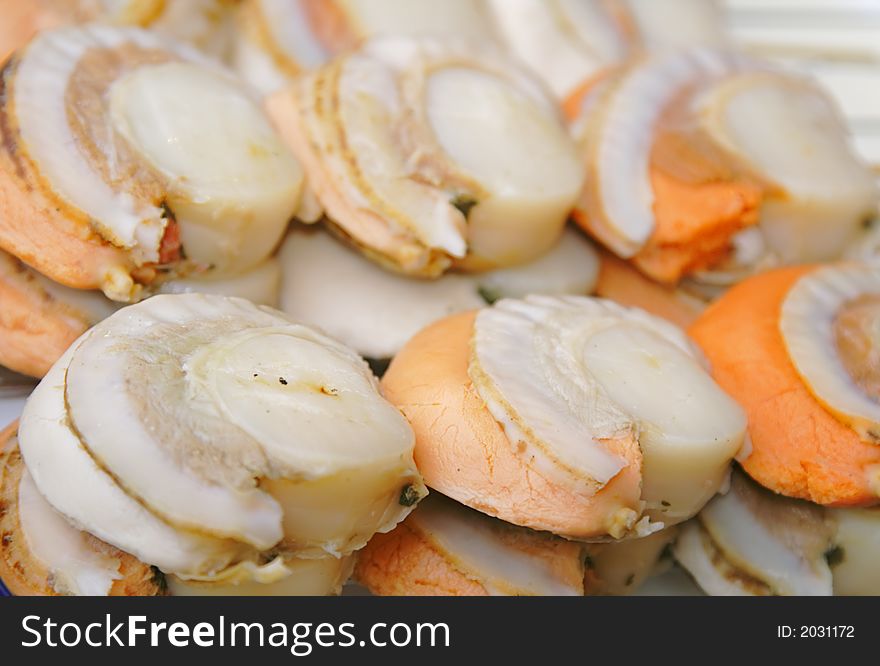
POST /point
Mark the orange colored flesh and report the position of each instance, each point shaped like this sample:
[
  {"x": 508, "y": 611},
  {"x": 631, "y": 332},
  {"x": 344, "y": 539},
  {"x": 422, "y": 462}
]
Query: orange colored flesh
[
  {"x": 693, "y": 224},
  {"x": 622, "y": 283},
  {"x": 798, "y": 448},
  {"x": 35, "y": 329},
  {"x": 21, "y": 20},
  {"x": 404, "y": 563},
  {"x": 463, "y": 452},
  {"x": 39, "y": 232},
  {"x": 693, "y": 221}
]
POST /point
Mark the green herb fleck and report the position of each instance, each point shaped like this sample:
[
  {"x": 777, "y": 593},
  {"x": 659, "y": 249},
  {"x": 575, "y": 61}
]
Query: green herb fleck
[
  {"x": 408, "y": 495},
  {"x": 834, "y": 556},
  {"x": 464, "y": 203},
  {"x": 282, "y": 381},
  {"x": 488, "y": 295},
  {"x": 588, "y": 562},
  {"x": 159, "y": 580}
]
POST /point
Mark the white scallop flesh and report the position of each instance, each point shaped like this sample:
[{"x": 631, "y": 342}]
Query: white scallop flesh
[
  {"x": 622, "y": 566},
  {"x": 290, "y": 577},
  {"x": 260, "y": 284},
  {"x": 570, "y": 267},
  {"x": 807, "y": 325},
  {"x": 476, "y": 545},
  {"x": 71, "y": 481},
  {"x": 462, "y": 19},
  {"x": 787, "y": 131},
  {"x": 233, "y": 184},
  {"x": 695, "y": 552},
  {"x": 858, "y": 538},
  {"x": 620, "y": 138},
  {"x": 328, "y": 285},
  {"x": 292, "y": 39},
  {"x": 779, "y": 541},
  {"x": 563, "y": 373},
  {"x": 74, "y": 566},
  {"x": 689, "y": 429},
  {"x": 563, "y": 41},
  {"x": 39, "y": 90},
  {"x": 531, "y": 182},
  {"x": 227, "y": 402},
  {"x": 678, "y": 24}
]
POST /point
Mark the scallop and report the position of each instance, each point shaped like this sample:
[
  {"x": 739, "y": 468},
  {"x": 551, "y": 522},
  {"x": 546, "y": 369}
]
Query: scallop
[
  {"x": 420, "y": 182},
  {"x": 120, "y": 129},
  {"x": 566, "y": 375},
  {"x": 272, "y": 442}
]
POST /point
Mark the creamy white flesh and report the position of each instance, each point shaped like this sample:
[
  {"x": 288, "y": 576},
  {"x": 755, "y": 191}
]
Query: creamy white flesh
[
  {"x": 74, "y": 566},
  {"x": 261, "y": 431},
  {"x": 71, "y": 481},
  {"x": 807, "y": 326},
  {"x": 516, "y": 150},
  {"x": 858, "y": 538},
  {"x": 618, "y": 136},
  {"x": 563, "y": 374},
  {"x": 279, "y": 43},
  {"x": 259, "y": 285},
  {"x": 233, "y": 185},
  {"x": 697, "y": 554},
  {"x": 402, "y": 161},
  {"x": 476, "y": 545},
  {"x": 357, "y": 302},
  {"x": 570, "y": 267},
  {"x": 621, "y": 567},
  {"x": 563, "y": 41},
  {"x": 281, "y": 404},
  {"x": 376, "y": 312},
  {"x": 788, "y": 133},
  {"x": 757, "y": 542}
]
